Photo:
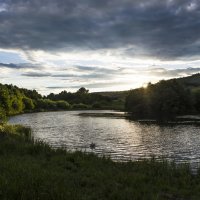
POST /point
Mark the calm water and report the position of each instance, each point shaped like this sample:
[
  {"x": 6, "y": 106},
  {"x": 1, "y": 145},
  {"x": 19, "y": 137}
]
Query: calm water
[{"x": 119, "y": 138}]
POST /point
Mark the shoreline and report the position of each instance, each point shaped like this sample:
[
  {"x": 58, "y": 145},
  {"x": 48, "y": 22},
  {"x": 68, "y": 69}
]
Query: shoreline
[
  {"x": 179, "y": 120},
  {"x": 33, "y": 170}
]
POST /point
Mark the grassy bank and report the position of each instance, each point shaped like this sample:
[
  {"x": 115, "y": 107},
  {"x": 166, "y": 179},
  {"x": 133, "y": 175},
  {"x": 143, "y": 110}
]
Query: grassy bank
[{"x": 32, "y": 170}]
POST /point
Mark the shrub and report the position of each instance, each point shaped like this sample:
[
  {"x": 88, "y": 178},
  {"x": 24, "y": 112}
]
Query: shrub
[
  {"x": 62, "y": 104},
  {"x": 80, "y": 106},
  {"x": 28, "y": 103},
  {"x": 96, "y": 105},
  {"x": 2, "y": 115}
]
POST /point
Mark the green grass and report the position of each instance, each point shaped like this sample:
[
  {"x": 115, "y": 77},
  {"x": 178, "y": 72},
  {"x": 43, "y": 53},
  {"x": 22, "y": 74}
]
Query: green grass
[{"x": 32, "y": 170}]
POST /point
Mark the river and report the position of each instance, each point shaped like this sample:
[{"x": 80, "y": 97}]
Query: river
[{"x": 117, "y": 137}]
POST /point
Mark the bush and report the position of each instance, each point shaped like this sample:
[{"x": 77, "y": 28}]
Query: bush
[
  {"x": 15, "y": 130},
  {"x": 2, "y": 115},
  {"x": 80, "y": 106},
  {"x": 28, "y": 103},
  {"x": 46, "y": 104},
  {"x": 97, "y": 105},
  {"x": 62, "y": 104}
]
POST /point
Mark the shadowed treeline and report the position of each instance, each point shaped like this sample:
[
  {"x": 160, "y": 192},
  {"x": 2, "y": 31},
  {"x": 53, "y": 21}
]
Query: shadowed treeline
[
  {"x": 162, "y": 101},
  {"x": 166, "y": 99}
]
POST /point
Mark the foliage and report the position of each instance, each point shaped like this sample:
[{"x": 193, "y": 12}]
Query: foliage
[
  {"x": 11, "y": 99},
  {"x": 82, "y": 91},
  {"x": 2, "y": 115},
  {"x": 162, "y": 101},
  {"x": 47, "y": 104},
  {"x": 14, "y": 100},
  {"x": 28, "y": 103},
  {"x": 80, "y": 106},
  {"x": 63, "y": 105},
  {"x": 196, "y": 97},
  {"x": 97, "y": 105},
  {"x": 81, "y": 96}
]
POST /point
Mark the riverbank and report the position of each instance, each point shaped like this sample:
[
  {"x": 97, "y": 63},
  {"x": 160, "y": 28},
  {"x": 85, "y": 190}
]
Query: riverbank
[{"x": 33, "y": 170}]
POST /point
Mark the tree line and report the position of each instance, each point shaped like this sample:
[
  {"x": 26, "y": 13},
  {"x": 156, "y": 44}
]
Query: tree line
[
  {"x": 164, "y": 100},
  {"x": 14, "y": 100},
  {"x": 82, "y": 97}
]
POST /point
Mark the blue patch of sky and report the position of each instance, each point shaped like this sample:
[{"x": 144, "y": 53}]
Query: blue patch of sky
[{"x": 10, "y": 57}]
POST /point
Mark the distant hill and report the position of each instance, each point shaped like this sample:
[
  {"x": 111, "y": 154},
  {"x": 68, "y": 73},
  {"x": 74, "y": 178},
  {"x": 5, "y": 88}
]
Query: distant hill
[{"x": 192, "y": 82}]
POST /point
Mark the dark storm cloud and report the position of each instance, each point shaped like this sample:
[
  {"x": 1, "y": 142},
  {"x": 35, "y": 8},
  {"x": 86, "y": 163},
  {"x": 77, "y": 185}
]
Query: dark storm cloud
[
  {"x": 167, "y": 29},
  {"x": 20, "y": 66},
  {"x": 11, "y": 65}
]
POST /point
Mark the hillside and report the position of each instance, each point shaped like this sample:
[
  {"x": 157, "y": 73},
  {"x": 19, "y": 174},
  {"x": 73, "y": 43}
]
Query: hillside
[
  {"x": 192, "y": 82},
  {"x": 166, "y": 99}
]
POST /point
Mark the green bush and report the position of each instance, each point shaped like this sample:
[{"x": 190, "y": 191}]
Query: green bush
[
  {"x": 28, "y": 103},
  {"x": 2, "y": 115},
  {"x": 62, "y": 105},
  {"x": 80, "y": 106},
  {"x": 46, "y": 104}
]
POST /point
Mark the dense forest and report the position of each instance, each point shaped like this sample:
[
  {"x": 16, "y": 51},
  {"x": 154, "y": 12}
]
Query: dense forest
[
  {"x": 166, "y": 99},
  {"x": 14, "y": 100}
]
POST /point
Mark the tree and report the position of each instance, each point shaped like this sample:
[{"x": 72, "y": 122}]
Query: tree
[{"x": 82, "y": 90}]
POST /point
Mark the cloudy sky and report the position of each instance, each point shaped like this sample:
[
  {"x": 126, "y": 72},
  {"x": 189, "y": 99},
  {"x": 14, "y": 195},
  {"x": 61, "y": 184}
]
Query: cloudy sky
[{"x": 104, "y": 45}]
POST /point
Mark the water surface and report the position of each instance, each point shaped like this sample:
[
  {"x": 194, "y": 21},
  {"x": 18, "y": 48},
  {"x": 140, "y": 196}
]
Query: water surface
[{"x": 118, "y": 138}]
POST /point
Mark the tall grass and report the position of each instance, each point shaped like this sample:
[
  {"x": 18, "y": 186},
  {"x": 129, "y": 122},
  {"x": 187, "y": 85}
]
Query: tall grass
[{"x": 31, "y": 170}]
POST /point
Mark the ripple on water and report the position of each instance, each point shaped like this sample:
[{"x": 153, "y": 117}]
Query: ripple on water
[{"x": 117, "y": 138}]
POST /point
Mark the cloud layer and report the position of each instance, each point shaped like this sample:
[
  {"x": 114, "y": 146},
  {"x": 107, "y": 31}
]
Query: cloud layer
[
  {"x": 166, "y": 30},
  {"x": 51, "y": 45}
]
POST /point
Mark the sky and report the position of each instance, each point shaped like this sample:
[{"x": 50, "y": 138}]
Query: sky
[{"x": 103, "y": 45}]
